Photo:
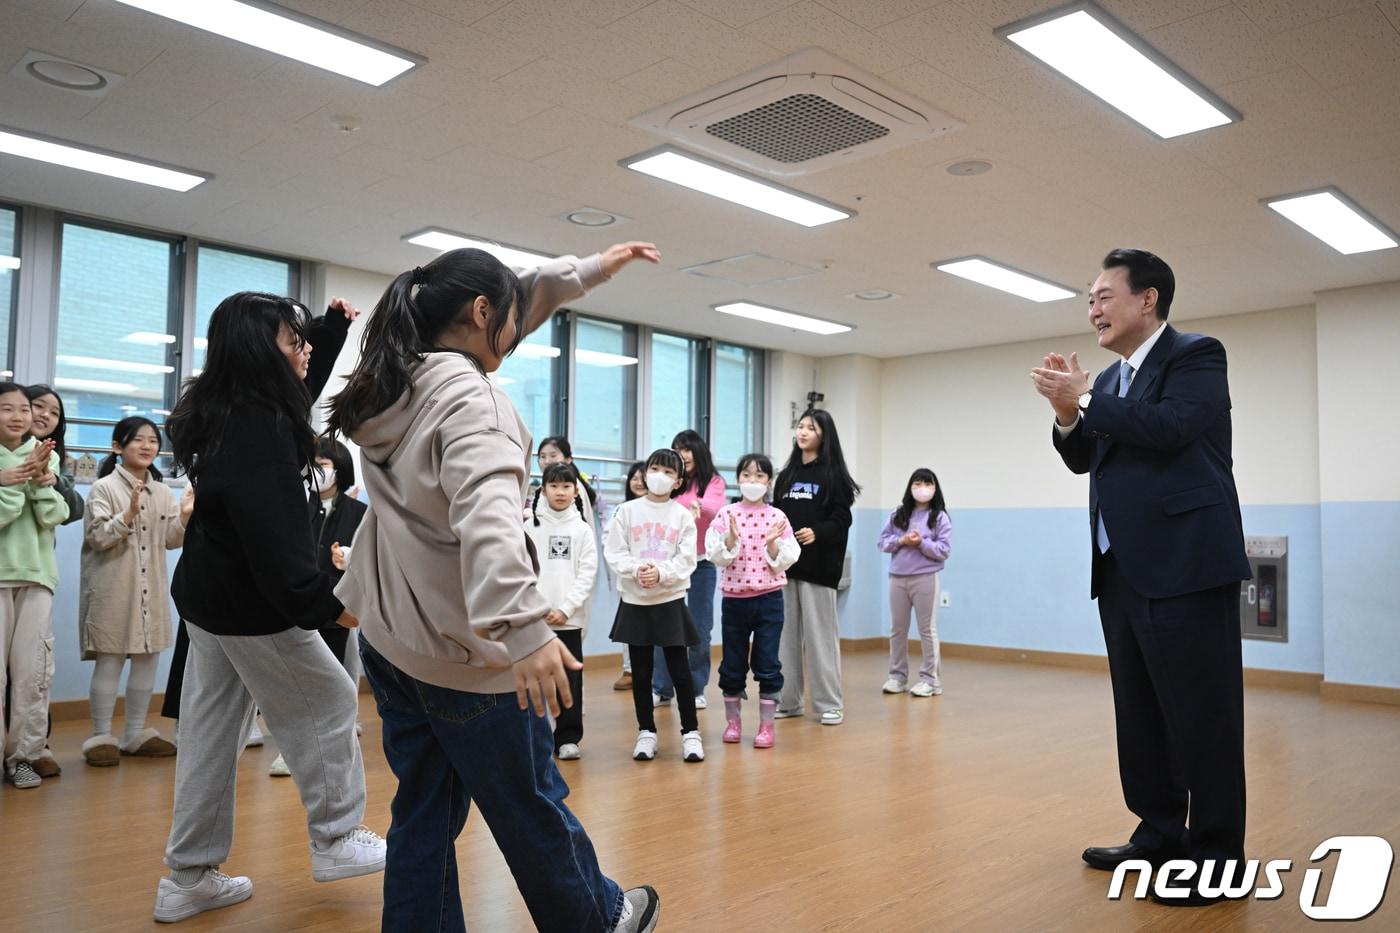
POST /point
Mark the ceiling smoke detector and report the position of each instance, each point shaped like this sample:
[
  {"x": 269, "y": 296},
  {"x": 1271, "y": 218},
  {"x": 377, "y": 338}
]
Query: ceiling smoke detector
[
  {"x": 591, "y": 217},
  {"x": 970, "y": 167},
  {"x": 874, "y": 294},
  {"x": 65, "y": 74},
  {"x": 804, "y": 113}
]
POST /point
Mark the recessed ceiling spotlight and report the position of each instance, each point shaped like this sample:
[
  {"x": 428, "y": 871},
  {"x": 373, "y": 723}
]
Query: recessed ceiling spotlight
[
  {"x": 970, "y": 167},
  {"x": 591, "y": 217},
  {"x": 346, "y": 124},
  {"x": 874, "y": 294},
  {"x": 67, "y": 75}
]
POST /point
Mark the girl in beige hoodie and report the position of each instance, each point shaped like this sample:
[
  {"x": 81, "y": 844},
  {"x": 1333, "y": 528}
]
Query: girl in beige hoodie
[{"x": 445, "y": 586}]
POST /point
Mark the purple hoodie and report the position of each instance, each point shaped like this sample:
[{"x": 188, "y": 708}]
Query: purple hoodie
[{"x": 934, "y": 544}]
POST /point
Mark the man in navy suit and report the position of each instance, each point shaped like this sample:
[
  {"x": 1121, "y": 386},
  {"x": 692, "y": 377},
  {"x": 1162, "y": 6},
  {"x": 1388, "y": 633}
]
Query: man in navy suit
[{"x": 1153, "y": 433}]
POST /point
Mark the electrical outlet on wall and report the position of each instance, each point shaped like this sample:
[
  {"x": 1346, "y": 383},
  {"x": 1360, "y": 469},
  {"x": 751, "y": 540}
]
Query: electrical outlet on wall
[{"x": 944, "y": 598}]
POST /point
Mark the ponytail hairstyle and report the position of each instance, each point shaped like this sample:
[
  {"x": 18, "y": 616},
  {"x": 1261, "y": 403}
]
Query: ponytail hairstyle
[
  {"x": 244, "y": 366},
  {"x": 561, "y": 443},
  {"x": 627, "y": 494},
  {"x": 124, "y": 433},
  {"x": 667, "y": 457},
  {"x": 839, "y": 486},
  {"x": 410, "y": 318},
  {"x": 60, "y": 431},
  {"x": 907, "y": 507},
  {"x": 557, "y": 473},
  {"x": 704, "y": 469}
]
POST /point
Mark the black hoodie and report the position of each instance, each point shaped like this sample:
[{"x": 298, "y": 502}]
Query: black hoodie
[{"x": 809, "y": 503}]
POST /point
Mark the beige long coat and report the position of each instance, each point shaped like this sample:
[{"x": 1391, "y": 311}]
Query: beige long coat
[{"x": 124, "y": 607}]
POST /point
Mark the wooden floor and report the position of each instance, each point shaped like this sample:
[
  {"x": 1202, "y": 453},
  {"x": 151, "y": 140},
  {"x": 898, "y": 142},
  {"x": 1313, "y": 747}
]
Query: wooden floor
[{"x": 962, "y": 812}]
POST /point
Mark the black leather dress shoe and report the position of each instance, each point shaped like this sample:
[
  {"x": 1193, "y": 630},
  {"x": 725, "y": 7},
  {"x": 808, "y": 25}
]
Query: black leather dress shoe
[{"x": 1107, "y": 858}]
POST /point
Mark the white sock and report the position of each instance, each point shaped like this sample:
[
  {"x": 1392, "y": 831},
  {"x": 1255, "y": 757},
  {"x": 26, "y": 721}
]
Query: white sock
[
  {"x": 140, "y": 682},
  {"x": 102, "y": 696}
]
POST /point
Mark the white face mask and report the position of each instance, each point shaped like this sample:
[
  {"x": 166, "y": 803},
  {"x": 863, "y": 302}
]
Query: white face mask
[
  {"x": 922, "y": 494},
  {"x": 659, "y": 483},
  {"x": 327, "y": 479},
  {"x": 753, "y": 492}
]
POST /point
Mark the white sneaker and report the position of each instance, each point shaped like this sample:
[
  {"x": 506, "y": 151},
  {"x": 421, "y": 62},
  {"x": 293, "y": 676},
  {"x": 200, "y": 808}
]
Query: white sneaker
[
  {"x": 925, "y": 689},
  {"x": 781, "y": 713},
  {"x": 640, "y": 909},
  {"x": 24, "y": 776},
  {"x": 645, "y": 749},
  {"x": 279, "y": 768},
  {"x": 569, "y": 752},
  {"x": 691, "y": 747},
  {"x": 255, "y": 736},
  {"x": 659, "y": 700},
  {"x": 833, "y": 717},
  {"x": 700, "y": 702},
  {"x": 358, "y": 852},
  {"x": 895, "y": 685},
  {"x": 212, "y": 891}
]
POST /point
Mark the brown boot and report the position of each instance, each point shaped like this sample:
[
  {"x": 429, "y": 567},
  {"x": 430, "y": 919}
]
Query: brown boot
[
  {"x": 624, "y": 682},
  {"x": 101, "y": 751},
  {"x": 148, "y": 744},
  {"x": 47, "y": 766}
]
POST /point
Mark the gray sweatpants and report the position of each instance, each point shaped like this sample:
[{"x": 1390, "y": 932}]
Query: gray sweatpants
[
  {"x": 810, "y": 632},
  {"x": 26, "y": 655},
  {"x": 309, "y": 703},
  {"x": 919, "y": 593}
]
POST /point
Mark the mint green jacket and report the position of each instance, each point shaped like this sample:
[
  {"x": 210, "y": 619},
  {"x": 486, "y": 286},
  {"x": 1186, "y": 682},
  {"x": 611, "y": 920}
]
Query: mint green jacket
[{"x": 28, "y": 516}]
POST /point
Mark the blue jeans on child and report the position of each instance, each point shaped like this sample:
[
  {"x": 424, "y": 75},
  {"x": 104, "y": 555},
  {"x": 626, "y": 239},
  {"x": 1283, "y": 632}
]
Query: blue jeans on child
[
  {"x": 701, "y": 603},
  {"x": 449, "y": 749},
  {"x": 759, "y": 618}
]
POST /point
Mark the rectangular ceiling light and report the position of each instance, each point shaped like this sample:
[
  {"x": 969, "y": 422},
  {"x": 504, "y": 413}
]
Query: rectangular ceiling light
[
  {"x": 444, "y": 240},
  {"x": 995, "y": 275},
  {"x": 707, "y": 177},
  {"x": 283, "y": 32},
  {"x": 56, "y": 152},
  {"x": 782, "y": 318},
  {"x": 1336, "y": 220},
  {"x": 1101, "y": 55}
]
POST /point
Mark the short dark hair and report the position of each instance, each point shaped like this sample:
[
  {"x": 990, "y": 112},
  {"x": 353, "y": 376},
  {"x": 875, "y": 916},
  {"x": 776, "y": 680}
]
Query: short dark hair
[
  {"x": 1145, "y": 270},
  {"x": 339, "y": 456}
]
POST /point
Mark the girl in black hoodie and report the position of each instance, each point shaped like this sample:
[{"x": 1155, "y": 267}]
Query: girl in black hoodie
[{"x": 815, "y": 491}]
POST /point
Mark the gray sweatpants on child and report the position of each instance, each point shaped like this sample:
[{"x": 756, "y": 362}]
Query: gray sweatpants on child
[
  {"x": 309, "y": 703},
  {"x": 810, "y": 633}
]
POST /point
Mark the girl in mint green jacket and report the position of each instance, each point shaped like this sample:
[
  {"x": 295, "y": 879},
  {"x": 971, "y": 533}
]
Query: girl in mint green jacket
[{"x": 30, "y": 508}]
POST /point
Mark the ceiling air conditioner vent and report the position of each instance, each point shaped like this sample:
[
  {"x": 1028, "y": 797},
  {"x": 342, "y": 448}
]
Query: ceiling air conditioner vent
[{"x": 807, "y": 112}]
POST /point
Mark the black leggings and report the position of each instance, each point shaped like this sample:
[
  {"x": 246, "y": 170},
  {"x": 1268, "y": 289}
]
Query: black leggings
[{"x": 678, "y": 663}]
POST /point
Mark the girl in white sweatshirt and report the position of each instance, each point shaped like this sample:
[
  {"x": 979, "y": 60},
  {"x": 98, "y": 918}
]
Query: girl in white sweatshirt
[
  {"x": 651, "y": 548},
  {"x": 568, "y": 560}
]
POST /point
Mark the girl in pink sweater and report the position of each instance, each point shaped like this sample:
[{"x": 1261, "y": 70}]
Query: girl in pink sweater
[{"x": 752, "y": 542}]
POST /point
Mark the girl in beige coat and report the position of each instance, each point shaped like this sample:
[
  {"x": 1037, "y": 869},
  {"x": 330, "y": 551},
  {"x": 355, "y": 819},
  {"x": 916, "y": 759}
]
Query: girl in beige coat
[{"x": 132, "y": 520}]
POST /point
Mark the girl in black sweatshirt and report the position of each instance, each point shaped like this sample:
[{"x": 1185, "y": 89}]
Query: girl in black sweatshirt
[{"x": 815, "y": 491}]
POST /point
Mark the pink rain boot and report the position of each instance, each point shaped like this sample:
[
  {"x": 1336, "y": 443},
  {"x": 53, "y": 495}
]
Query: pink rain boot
[
  {"x": 733, "y": 726},
  {"x": 766, "y": 710}
]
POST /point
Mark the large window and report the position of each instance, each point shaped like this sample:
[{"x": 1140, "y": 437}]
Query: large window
[
  {"x": 736, "y": 426},
  {"x": 605, "y": 389},
  {"x": 9, "y": 286},
  {"x": 530, "y": 376},
  {"x": 221, "y": 272},
  {"x": 679, "y": 373},
  {"x": 118, "y": 304}
]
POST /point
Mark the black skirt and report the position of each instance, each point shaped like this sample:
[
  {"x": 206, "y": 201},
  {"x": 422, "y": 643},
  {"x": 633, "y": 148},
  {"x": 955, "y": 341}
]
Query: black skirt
[{"x": 667, "y": 625}]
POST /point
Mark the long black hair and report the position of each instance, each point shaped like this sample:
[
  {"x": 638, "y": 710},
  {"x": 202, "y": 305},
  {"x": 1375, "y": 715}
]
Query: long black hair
[
  {"x": 907, "y": 507},
  {"x": 838, "y": 479},
  {"x": 124, "y": 433},
  {"x": 667, "y": 457},
  {"x": 561, "y": 443},
  {"x": 60, "y": 430},
  {"x": 557, "y": 473},
  {"x": 244, "y": 365},
  {"x": 703, "y": 471},
  {"x": 627, "y": 494},
  {"x": 408, "y": 321}
]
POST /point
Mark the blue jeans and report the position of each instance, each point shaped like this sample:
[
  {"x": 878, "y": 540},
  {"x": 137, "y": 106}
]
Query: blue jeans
[
  {"x": 701, "y": 603},
  {"x": 759, "y": 618},
  {"x": 449, "y": 748}
]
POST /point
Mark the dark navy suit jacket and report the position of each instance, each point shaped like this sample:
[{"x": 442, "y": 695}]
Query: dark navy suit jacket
[{"x": 1160, "y": 470}]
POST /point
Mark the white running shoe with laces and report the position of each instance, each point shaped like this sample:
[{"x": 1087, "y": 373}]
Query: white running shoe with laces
[
  {"x": 213, "y": 890},
  {"x": 641, "y": 907},
  {"x": 359, "y": 852},
  {"x": 925, "y": 689},
  {"x": 895, "y": 685}
]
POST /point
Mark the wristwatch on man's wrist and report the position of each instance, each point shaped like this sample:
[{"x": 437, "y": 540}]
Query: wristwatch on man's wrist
[{"x": 1084, "y": 401}]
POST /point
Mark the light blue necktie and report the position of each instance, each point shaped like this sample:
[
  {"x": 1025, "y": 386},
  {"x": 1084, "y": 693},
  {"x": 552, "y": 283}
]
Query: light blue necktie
[{"x": 1125, "y": 379}]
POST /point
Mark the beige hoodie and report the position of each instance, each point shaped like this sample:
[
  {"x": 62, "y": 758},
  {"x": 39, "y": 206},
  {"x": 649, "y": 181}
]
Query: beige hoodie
[{"x": 441, "y": 577}]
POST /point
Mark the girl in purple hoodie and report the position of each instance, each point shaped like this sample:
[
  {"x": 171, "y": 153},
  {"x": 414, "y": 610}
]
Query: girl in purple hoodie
[{"x": 919, "y": 537}]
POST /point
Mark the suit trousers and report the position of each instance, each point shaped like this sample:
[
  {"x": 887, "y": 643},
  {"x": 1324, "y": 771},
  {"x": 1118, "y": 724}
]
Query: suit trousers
[{"x": 1178, "y": 701}]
